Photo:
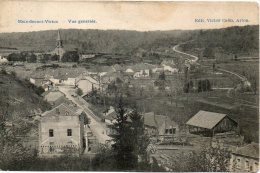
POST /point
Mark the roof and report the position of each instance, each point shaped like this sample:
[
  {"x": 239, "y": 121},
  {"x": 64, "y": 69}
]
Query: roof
[
  {"x": 152, "y": 120},
  {"x": 63, "y": 110},
  {"x": 141, "y": 66},
  {"x": 205, "y": 119},
  {"x": 250, "y": 150},
  {"x": 62, "y": 73},
  {"x": 113, "y": 115},
  {"x": 52, "y": 96}
]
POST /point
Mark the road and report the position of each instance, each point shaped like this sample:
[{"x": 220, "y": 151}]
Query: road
[
  {"x": 195, "y": 59},
  {"x": 242, "y": 78},
  {"x": 192, "y": 56},
  {"x": 96, "y": 126}
]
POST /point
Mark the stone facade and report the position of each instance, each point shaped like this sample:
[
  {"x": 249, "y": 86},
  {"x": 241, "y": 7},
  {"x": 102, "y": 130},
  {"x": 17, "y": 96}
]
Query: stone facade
[{"x": 61, "y": 130}]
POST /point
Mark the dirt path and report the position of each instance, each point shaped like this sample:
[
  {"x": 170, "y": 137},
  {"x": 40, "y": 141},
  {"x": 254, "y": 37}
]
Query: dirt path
[{"x": 242, "y": 78}]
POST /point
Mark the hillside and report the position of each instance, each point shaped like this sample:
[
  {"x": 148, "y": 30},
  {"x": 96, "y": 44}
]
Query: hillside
[
  {"x": 19, "y": 99},
  {"x": 234, "y": 40},
  {"x": 117, "y": 41}
]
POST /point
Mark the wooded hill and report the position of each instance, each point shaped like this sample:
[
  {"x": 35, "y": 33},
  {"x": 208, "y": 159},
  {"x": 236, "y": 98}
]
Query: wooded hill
[
  {"x": 108, "y": 41},
  {"x": 233, "y": 39}
]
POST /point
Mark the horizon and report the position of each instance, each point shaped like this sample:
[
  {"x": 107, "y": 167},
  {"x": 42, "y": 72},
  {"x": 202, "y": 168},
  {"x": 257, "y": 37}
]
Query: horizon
[
  {"x": 135, "y": 16},
  {"x": 61, "y": 29}
]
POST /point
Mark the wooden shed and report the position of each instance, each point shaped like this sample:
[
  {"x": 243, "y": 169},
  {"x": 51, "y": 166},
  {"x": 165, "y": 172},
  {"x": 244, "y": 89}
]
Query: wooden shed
[{"x": 210, "y": 123}]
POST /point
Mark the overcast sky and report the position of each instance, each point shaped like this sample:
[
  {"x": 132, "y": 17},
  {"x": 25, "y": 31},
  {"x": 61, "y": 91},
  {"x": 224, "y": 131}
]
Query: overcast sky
[{"x": 141, "y": 16}]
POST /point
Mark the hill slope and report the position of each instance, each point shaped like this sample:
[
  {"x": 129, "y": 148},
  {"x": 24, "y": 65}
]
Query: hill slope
[{"x": 17, "y": 99}]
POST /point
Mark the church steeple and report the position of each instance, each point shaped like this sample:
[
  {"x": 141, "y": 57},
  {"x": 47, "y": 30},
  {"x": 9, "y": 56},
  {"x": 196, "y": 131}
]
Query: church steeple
[
  {"x": 59, "y": 41},
  {"x": 59, "y": 47}
]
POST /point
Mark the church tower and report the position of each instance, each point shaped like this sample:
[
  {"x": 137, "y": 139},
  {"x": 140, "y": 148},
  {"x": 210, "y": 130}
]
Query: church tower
[
  {"x": 59, "y": 47},
  {"x": 59, "y": 41}
]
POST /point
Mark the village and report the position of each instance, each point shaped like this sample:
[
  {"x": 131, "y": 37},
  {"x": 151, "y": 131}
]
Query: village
[{"x": 82, "y": 110}]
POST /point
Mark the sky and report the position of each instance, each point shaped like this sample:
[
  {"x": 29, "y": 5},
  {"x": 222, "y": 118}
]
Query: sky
[{"x": 141, "y": 16}]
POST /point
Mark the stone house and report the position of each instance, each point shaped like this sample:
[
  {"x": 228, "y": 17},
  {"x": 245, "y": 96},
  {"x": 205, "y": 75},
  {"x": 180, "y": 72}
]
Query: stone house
[
  {"x": 61, "y": 129},
  {"x": 245, "y": 159},
  {"x": 160, "y": 126}
]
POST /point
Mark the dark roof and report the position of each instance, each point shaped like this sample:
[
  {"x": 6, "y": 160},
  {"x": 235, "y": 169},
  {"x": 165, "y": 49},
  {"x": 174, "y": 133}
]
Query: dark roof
[
  {"x": 250, "y": 150},
  {"x": 152, "y": 120},
  {"x": 205, "y": 119}
]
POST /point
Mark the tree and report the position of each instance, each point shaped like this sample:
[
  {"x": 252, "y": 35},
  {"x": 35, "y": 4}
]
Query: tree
[
  {"x": 86, "y": 119},
  {"x": 123, "y": 146},
  {"x": 54, "y": 57},
  {"x": 140, "y": 139},
  {"x": 71, "y": 56},
  {"x": 209, "y": 52},
  {"x": 79, "y": 91},
  {"x": 31, "y": 57},
  {"x": 235, "y": 57},
  {"x": 210, "y": 159},
  {"x": 12, "y": 153},
  {"x": 162, "y": 76},
  {"x": 204, "y": 85}
]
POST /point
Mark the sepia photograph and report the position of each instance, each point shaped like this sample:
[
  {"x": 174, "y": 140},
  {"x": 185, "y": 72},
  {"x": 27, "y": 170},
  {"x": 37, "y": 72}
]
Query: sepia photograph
[{"x": 129, "y": 86}]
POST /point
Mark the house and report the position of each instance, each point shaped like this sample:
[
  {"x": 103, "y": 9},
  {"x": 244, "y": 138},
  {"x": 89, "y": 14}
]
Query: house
[
  {"x": 87, "y": 83},
  {"x": 110, "y": 119},
  {"x": 141, "y": 70},
  {"x": 40, "y": 79},
  {"x": 129, "y": 70},
  {"x": 61, "y": 130},
  {"x": 3, "y": 60},
  {"x": 169, "y": 69},
  {"x": 160, "y": 126},
  {"x": 245, "y": 159},
  {"x": 157, "y": 70},
  {"x": 55, "y": 97},
  {"x": 83, "y": 57},
  {"x": 142, "y": 74},
  {"x": 210, "y": 123}
]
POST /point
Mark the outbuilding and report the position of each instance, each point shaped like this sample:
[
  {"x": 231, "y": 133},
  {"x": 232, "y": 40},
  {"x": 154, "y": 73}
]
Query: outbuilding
[{"x": 209, "y": 123}]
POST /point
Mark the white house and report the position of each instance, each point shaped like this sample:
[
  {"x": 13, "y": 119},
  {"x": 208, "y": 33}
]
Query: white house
[
  {"x": 3, "y": 60},
  {"x": 129, "y": 70},
  {"x": 142, "y": 74},
  {"x": 169, "y": 69}
]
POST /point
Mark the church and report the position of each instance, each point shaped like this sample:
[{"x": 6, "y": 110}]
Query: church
[{"x": 59, "y": 47}]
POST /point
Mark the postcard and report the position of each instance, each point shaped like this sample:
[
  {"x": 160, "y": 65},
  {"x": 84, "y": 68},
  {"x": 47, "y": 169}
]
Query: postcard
[{"x": 142, "y": 86}]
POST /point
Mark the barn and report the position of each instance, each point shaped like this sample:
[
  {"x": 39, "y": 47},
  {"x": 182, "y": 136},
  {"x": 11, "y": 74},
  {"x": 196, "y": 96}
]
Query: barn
[{"x": 210, "y": 123}]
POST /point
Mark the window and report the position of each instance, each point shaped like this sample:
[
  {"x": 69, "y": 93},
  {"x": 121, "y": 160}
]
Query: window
[
  {"x": 247, "y": 165},
  {"x": 69, "y": 132},
  {"x": 238, "y": 164},
  {"x": 256, "y": 166},
  {"x": 51, "y": 134},
  {"x": 166, "y": 131},
  {"x": 172, "y": 131}
]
